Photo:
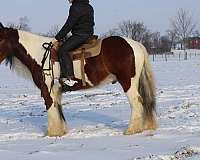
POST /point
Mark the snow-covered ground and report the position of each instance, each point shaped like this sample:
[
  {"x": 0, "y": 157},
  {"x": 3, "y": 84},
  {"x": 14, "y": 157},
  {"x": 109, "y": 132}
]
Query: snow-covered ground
[{"x": 97, "y": 119}]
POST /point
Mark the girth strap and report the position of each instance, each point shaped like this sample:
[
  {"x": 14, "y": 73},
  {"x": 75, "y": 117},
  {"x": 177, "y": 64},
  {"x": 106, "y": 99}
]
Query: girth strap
[{"x": 82, "y": 67}]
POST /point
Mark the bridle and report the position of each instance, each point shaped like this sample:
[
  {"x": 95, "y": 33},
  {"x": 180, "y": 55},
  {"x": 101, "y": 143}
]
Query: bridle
[{"x": 49, "y": 69}]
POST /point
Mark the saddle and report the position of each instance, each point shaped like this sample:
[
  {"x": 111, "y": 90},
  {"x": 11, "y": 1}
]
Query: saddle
[{"x": 91, "y": 48}]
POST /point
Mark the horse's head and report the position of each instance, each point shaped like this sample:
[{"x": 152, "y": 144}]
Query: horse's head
[{"x": 8, "y": 40}]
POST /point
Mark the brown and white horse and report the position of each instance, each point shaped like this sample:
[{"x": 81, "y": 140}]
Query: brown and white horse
[{"x": 121, "y": 59}]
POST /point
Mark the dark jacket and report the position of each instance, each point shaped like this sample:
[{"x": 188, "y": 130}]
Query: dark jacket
[{"x": 80, "y": 20}]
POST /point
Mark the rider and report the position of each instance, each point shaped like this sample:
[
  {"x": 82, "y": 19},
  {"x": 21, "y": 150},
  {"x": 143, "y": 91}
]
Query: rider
[{"x": 81, "y": 24}]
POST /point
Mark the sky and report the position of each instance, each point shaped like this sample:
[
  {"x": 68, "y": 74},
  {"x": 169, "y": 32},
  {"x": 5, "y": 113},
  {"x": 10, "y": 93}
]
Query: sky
[{"x": 44, "y": 14}]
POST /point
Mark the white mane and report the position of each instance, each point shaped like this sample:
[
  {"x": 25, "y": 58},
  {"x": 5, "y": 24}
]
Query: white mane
[{"x": 33, "y": 45}]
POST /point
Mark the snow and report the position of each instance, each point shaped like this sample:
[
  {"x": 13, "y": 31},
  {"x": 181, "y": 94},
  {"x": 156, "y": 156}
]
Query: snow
[{"x": 97, "y": 119}]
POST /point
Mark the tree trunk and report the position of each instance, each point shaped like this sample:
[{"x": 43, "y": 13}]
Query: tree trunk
[{"x": 185, "y": 55}]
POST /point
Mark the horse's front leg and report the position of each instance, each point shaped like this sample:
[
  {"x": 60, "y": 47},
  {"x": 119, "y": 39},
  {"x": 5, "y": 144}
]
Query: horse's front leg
[{"x": 56, "y": 119}]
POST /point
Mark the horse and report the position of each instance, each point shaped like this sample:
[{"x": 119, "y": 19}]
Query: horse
[{"x": 121, "y": 60}]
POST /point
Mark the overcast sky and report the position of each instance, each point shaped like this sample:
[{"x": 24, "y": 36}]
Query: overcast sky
[{"x": 43, "y": 14}]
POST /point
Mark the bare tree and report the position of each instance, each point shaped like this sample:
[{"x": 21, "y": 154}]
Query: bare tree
[
  {"x": 111, "y": 32},
  {"x": 23, "y": 24},
  {"x": 184, "y": 26},
  {"x": 138, "y": 32},
  {"x": 132, "y": 29},
  {"x": 147, "y": 41},
  {"x": 155, "y": 38},
  {"x": 172, "y": 38},
  {"x": 53, "y": 31},
  {"x": 165, "y": 44}
]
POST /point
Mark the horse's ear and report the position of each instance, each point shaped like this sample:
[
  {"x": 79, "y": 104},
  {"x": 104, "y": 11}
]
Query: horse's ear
[{"x": 1, "y": 26}]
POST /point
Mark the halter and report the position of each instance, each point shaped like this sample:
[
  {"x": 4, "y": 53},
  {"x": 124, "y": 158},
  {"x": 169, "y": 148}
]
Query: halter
[{"x": 47, "y": 53}]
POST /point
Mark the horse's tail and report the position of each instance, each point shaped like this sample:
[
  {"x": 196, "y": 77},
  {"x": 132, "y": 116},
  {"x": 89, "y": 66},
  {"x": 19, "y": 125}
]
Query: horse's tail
[{"x": 147, "y": 87}]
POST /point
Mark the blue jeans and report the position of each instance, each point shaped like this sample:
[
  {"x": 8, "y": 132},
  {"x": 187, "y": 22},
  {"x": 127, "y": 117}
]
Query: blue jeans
[{"x": 65, "y": 59}]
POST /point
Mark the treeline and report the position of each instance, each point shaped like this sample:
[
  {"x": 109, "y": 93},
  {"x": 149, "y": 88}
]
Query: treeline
[
  {"x": 153, "y": 41},
  {"x": 182, "y": 26}
]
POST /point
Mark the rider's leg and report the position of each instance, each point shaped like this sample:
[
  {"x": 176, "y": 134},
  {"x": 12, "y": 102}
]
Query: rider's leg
[{"x": 64, "y": 55}]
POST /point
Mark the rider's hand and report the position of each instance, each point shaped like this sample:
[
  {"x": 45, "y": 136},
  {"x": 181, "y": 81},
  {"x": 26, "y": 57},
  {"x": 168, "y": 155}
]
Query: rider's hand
[{"x": 55, "y": 43}]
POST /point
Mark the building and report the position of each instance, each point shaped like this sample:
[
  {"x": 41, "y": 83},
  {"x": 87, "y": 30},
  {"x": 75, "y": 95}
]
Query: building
[{"x": 193, "y": 43}]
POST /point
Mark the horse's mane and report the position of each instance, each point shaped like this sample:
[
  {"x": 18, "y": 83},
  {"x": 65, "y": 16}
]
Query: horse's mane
[
  {"x": 9, "y": 60},
  {"x": 30, "y": 42}
]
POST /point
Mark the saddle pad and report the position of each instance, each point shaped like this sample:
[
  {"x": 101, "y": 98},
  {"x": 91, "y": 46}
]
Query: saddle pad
[{"x": 91, "y": 49}]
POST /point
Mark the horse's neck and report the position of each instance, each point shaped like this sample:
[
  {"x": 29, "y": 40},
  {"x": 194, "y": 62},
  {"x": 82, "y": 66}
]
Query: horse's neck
[
  {"x": 31, "y": 55},
  {"x": 33, "y": 44}
]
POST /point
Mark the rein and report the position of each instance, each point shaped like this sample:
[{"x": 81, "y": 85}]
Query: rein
[
  {"x": 47, "y": 53},
  {"x": 48, "y": 47}
]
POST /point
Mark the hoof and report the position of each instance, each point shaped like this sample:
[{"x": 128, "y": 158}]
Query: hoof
[
  {"x": 150, "y": 125},
  {"x": 57, "y": 132},
  {"x": 60, "y": 134},
  {"x": 132, "y": 131}
]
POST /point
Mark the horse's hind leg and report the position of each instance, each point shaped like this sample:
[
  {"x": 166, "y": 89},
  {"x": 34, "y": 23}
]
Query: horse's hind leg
[
  {"x": 150, "y": 122},
  {"x": 137, "y": 113}
]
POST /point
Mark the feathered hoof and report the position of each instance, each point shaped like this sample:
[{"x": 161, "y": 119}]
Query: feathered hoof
[
  {"x": 57, "y": 131},
  {"x": 150, "y": 124},
  {"x": 58, "y": 134},
  {"x": 132, "y": 131}
]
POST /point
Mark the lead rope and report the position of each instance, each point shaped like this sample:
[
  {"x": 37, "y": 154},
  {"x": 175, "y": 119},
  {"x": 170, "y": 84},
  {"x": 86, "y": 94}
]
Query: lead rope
[{"x": 48, "y": 47}]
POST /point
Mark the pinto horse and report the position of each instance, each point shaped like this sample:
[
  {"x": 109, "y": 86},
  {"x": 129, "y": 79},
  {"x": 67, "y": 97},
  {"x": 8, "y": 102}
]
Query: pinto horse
[{"x": 121, "y": 59}]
